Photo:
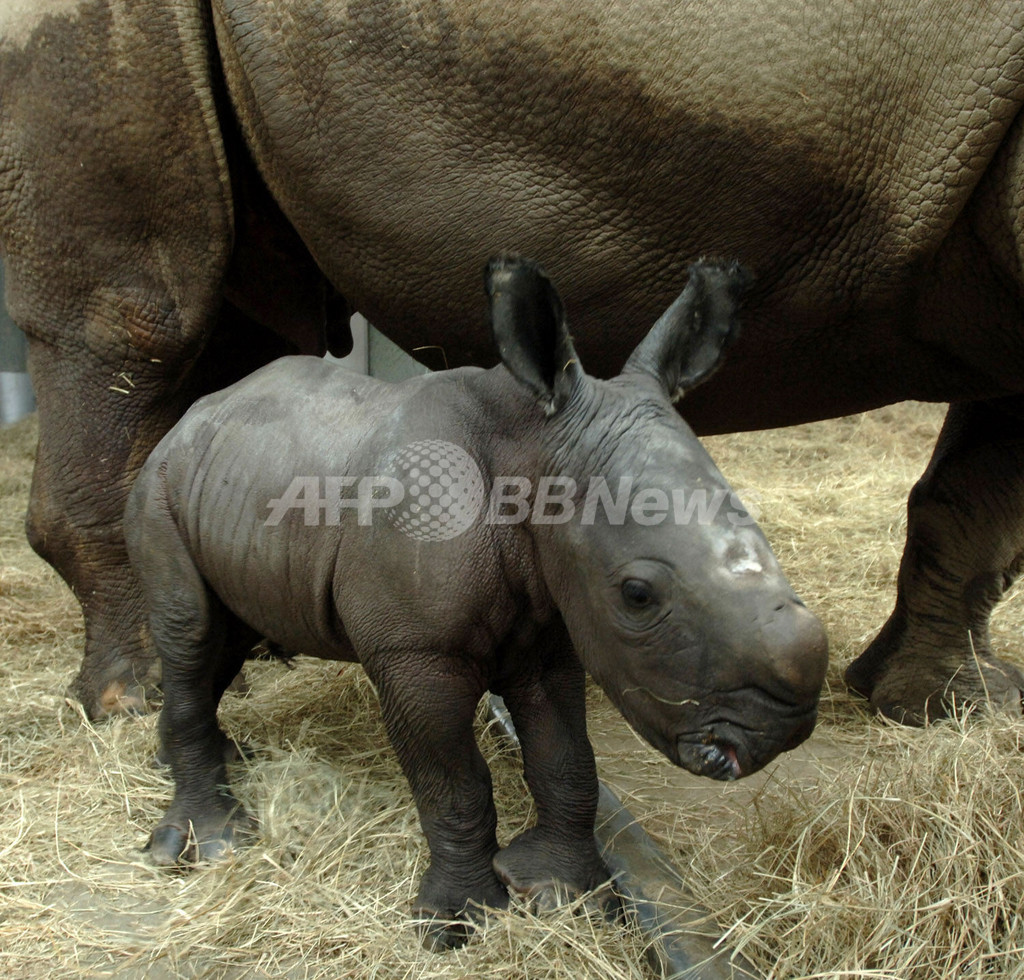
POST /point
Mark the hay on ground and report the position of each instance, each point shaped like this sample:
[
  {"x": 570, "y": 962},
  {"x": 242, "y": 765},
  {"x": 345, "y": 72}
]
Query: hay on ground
[{"x": 872, "y": 852}]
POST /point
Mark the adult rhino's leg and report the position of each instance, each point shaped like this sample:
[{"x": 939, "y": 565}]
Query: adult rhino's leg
[
  {"x": 965, "y": 546},
  {"x": 116, "y": 225},
  {"x": 429, "y": 704},
  {"x": 96, "y": 427},
  {"x": 97, "y": 424}
]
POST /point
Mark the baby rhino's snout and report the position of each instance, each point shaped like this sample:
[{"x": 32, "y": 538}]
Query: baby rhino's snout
[{"x": 795, "y": 649}]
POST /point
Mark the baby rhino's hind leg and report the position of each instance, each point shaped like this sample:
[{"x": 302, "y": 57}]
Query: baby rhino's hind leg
[{"x": 201, "y": 649}]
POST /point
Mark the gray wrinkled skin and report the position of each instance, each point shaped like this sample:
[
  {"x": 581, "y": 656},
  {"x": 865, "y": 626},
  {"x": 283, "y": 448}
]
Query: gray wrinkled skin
[
  {"x": 690, "y": 626},
  {"x": 188, "y": 190}
]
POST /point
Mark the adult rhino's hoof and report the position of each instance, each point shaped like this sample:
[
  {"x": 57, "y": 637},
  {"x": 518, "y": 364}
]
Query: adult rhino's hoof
[
  {"x": 116, "y": 678},
  {"x": 117, "y": 697},
  {"x": 915, "y": 690},
  {"x": 177, "y": 844}
]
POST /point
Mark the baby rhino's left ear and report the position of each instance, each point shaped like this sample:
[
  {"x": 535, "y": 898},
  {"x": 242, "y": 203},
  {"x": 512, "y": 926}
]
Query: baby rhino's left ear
[
  {"x": 688, "y": 342},
  {"x": 530, "y": 330}
]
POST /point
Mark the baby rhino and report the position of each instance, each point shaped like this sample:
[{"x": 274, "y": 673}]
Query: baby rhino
[{"x": 468, "y": 531}]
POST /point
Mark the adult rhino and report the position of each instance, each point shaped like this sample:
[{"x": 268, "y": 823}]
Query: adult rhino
[{"x": 189, "y": 188}]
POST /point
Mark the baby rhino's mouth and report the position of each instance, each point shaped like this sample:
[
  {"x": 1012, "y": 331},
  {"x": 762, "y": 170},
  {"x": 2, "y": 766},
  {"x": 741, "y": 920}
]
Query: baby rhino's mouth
[
  {"x": 719, "y": 761},
  {"x": 725, "y": 749},
  {"x": 709, "y": 756}
]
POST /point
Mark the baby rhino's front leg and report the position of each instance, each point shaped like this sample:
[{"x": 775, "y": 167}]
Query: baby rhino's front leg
[
  {"x": 429, "y": 705},
  {"x": 558, "y": 857}
]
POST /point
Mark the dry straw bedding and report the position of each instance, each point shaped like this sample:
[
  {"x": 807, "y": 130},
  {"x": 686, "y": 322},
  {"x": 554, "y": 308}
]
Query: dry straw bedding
[{"x": 873, "y": 852}]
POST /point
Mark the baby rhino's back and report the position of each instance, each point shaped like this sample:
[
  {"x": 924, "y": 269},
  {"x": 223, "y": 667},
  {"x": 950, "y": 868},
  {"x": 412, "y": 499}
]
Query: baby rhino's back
[{"x": 212, "y": 483}]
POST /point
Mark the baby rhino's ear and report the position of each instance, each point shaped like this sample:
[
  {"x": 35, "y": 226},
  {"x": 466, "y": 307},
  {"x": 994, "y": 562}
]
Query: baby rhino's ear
[
  {"x": 530, "y": 330},
  {"x": 688, "y": 342}
]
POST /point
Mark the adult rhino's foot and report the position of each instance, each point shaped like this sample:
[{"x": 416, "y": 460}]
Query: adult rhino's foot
[
  {"x": 446, "y": 917},
  {"x": 124, "y": 689},
  {"x": 916, "y": 683},
  {"x": 546, "y": 872},
  {"x": 213, "y": 835},
  {"x": 120, "y": 672},
  {"x": 965, "y": 547}
]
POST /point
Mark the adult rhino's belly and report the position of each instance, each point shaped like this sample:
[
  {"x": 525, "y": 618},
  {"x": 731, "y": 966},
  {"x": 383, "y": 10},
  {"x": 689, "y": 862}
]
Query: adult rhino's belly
[
  {"x": 387, "y": 134},
  {"x": 772, "y": 380}
]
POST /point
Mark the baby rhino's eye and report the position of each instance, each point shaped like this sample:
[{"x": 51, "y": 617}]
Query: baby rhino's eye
[{"x": 637, "y": 594}]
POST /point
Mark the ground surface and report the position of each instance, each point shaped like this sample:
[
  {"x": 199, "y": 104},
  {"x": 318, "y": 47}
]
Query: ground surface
[{"x": 872, "y": 851}]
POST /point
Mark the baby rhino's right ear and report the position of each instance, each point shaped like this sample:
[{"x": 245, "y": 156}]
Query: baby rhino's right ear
[
  {"x": 530, "y": 330},
  {"x": 688, "y": 342}
]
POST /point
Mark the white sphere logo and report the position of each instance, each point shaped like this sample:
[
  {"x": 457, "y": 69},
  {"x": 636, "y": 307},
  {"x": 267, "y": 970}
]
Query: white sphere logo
[{"x": 444, "y": 490}]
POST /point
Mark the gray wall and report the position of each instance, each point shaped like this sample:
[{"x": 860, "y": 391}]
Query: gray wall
[
  {"x": 16, "y": 398},
  {"x": 372, "y": 353}
]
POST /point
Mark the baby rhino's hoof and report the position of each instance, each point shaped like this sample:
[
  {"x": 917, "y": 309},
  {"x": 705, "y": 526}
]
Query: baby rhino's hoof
[
  {"x": 180, "y": 844},
  {"x": 439, "y": 925},
  {"x": 546, "y": 875},
  {"x": 439, "y": 933}
]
